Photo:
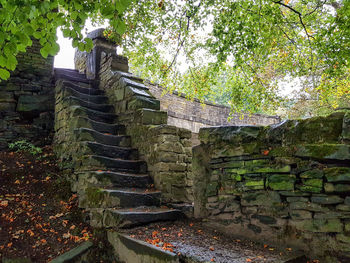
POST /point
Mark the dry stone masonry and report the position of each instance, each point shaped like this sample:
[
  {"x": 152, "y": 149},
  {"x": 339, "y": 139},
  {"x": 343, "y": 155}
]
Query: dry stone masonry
[
  {"x": 193, "y": 115},
  {"x": 286, "y": 184},
  {"x": 27, "y": 99}
]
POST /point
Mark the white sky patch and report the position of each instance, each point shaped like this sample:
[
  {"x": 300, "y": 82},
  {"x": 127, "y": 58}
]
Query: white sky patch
[{"x": 65, "y": 58}]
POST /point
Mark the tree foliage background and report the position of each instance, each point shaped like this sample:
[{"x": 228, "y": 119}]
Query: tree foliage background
[{"x": 238, "y": 52}]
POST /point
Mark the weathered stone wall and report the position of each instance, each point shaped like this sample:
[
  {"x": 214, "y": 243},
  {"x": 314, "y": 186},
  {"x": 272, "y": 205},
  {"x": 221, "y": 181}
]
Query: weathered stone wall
[
  {"x": 165, "y": 148},
  {"x": 287, "y": 184},
  {"x": 193, "y": 115},
  {"x": 27, "y": 99}
]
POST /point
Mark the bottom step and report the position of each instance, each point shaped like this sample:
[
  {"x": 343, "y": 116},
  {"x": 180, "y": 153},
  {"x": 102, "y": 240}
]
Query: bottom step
[
  {"x": 131, "y": 250},
  {"x": 125, "y": 218}
]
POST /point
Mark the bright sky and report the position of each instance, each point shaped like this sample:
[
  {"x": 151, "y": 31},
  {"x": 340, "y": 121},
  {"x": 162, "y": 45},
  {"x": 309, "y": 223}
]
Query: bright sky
[{"x": 65, "y": 58}]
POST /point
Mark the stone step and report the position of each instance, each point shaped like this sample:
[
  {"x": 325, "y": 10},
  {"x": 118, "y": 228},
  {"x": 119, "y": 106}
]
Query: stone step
[
  {"x": 127, "y": 75},
  {"x": 118, "y": 198},
  {"x": 72, "y": 75},
  {"x": 144, "y": 117},
  {"x": 71, "y": 100},
  {"x": 141, "y": 251},
  {"x": 65, "y": 91},
  {"x": 97, "y": 162},
  {"x": 85, "y": 134},
  {"x": 125, "y": 218},
  {"x": 85, "y": 89},
  {"x": 84, "y": 122},
  {"x": 94, "y": 115},
  {"x": 115, "y": 179},
  {"x": 96, "y": 148}
]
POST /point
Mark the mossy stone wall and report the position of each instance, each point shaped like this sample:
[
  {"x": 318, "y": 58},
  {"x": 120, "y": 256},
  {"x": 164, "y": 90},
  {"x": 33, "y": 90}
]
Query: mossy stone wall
[
  {"x": 287, "y": 184},
  {"x": 27, "y": 99}
]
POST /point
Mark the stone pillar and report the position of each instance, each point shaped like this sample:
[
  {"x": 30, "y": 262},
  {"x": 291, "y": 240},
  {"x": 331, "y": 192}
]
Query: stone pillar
[{"x": 101, "y": 45}]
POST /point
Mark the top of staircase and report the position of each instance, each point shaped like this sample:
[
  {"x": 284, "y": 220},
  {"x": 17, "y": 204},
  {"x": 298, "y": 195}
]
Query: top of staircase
[{"x": 72, "y": 75}]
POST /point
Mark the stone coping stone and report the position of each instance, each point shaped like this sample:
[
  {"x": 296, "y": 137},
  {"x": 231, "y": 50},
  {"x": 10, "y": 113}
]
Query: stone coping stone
[
  {"x": 137, "y": 251},
  {"x": 97, "y": 34},
  {"x": 73, "y": 253}
]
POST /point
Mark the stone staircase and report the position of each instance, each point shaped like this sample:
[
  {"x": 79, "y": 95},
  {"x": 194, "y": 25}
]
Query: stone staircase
[{"x": 112, "y": 183}]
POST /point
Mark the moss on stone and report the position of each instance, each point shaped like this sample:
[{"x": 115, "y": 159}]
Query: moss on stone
[
  {"x": 94, "y": 196},
  {"x": 324, "y": 151},
  {"x": 282, "y": 182},
  {"x": 337, "y": 174}
]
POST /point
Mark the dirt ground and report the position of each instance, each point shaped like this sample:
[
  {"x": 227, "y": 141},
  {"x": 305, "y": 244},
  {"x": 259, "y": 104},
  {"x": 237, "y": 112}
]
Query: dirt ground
[{"x": 39, "y": 217}]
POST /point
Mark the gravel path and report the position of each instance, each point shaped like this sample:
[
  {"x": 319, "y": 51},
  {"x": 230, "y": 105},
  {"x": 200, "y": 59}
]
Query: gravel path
[{"x": 192, "y": 240}]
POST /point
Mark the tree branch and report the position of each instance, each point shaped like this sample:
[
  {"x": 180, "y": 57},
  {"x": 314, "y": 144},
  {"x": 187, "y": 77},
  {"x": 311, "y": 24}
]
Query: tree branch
[{"x": 296, "y": 12}]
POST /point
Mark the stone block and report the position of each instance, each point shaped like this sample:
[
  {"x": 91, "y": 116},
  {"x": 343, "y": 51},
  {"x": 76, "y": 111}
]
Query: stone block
[
  {"x": 253, "y": 184},
  {"x": 347, "y": 200},
  {"x": 307, "y": 206},
  {"x": 291, "y": 199},
  {"x": 276, "y": 169},
  {"x": 294, "y": 193},
  {"x": 343, "y": 207},
  {"x": 347, "y": 226},
  {"x": 40, "y": 103},
  {"x": 140, "y": 102},
  {"x": 161, "y": 138},
  {"x": 168, "y": 157},
  {"x": 336, "y": 188},
  {"x": 324, "y": 151},
  {"x": 7, "y": 106},
  {"x": 170, "y": 147},
  {"x": 118, "y": 93},
  {"x": 230, "y": 134},
  {"x": 164, "y": 129},
  {"x": 327, "y": 199},
  {"x": 309, "y": 189},
  {"x": 343, "y": 238},
  {"x": 260, "y": 198},
  {"x": 337, "y": 174},
  {"x": 346, "y": 127},
  {"x": 312, "y": 174},
  {"x": 232, "y": 164},
  {"x": 300, "y": 214},
  {"x": 267, "y": 220},
  {"x": 120, "y": 63},
  {"x": 318, "y": 225},
  {"x": 232, "y": 206},
  {"x": 282, "y": 182},
  {"x": 212, "y": 189},
  {"x": 165, "y": 167},
  {"x": 314, "y": 130},
  {"x": 6, "y": 97},
  {"x": 184, "y": 133},
  {"x": 328, "y": 215},
  {"x": 12, "y": 87},
  {"x": 151, "y": 117}
]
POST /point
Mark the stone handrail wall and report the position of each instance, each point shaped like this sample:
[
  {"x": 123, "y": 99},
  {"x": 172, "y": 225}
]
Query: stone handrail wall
[
  {"x": 27, "y": 99},
  {"x": 165, "y": 148},
  {"x": 287, "y": 184},
  {"x": 194, "y": 115}
]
